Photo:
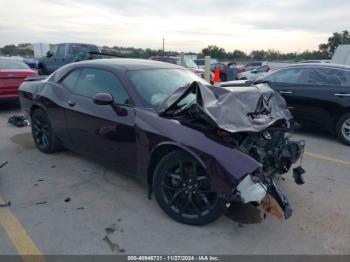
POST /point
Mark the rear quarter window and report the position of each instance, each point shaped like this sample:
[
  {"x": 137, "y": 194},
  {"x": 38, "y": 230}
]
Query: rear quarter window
[
  {"x": 326, "y": 77},
  {"x": 70, "y": 80}
]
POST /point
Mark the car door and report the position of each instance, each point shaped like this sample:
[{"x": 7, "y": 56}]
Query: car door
[
  {"x": 284, "y": 81},
  {"x": 321, "y": 94},
  {"x": 73, "y": 51},
  {"x": 106, "y": 132},
  {"x": 60, "y": 57},
  {"x": 49, "y": 61}
]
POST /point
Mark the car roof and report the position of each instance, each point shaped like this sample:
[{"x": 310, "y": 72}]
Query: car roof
[
  {"x": 325, "y": 65},
  {"x": 75, "y": 44},
  {"x": 119, "y": 64}
]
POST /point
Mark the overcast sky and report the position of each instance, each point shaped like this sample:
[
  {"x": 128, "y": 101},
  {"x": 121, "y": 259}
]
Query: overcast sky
[{"x": 186, "y": 25}]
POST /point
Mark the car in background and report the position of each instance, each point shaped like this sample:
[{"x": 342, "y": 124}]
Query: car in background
[
  {"x": 314, "y": 61},
  {"x": 176, "y": 60},
  {"x": 65, "y": 53},
  {"x": 223, "y": 68},
  {"x": 318, "y": 95},
  {"x": 255, "y": 73},
  {"x": 32, "y": 63},
  {"x": 253, "y": 65},
  {"x": 12, "y": 74},
  {"x": 201, "y": 62}
]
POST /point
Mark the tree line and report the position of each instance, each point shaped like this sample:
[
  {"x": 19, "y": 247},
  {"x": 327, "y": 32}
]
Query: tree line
[{"x": 325, "y": 51}]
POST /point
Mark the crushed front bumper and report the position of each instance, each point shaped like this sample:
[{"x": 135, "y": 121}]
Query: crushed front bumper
[{"x": 262, "y": 188}]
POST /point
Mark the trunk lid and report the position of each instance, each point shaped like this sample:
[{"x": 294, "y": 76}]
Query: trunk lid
[{"x": 10, "y": 80}]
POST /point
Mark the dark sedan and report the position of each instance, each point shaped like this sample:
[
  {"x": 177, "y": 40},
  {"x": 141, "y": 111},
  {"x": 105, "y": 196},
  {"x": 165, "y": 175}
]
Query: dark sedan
[
  {"x": 318, "y": 95},
  {"x": 196, "y": 146}
]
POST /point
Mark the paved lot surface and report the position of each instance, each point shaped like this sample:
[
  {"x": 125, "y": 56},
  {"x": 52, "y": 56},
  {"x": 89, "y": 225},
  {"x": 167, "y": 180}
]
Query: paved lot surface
[{"x": 108, "y": 213}]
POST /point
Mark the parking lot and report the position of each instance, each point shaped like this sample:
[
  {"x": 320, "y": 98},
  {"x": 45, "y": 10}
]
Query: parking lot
[{"x": 65, "y": 203}]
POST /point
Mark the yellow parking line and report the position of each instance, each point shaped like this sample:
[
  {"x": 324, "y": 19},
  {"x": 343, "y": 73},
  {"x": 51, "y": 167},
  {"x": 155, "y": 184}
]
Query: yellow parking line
[
  {"x": 327, "y": 158},
  {"x": 19, "y": 237}
]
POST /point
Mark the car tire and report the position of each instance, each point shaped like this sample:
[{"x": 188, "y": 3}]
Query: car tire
[
  {"x": 182, "y": 190},
  {"x": 43, "y": 135},
  {"x": 343, "y": 129},
  {"x": 42, "y": 70}
]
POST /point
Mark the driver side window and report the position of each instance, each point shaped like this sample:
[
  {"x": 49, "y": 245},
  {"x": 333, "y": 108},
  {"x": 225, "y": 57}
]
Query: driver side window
[
  {"x": 285, "y": 76},
  {"x": 89, "y": 81},
  {"x": 53, "y": 50}
]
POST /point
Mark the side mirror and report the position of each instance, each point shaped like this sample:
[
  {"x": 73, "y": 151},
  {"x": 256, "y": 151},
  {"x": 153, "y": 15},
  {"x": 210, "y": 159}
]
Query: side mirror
[
  {"x": 49, "y": 53},
  {"x": 103, "y": 99}
]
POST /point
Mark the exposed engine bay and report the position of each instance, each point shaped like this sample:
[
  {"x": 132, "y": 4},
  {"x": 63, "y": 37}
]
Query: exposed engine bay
[{"x": 258, "y": 126}]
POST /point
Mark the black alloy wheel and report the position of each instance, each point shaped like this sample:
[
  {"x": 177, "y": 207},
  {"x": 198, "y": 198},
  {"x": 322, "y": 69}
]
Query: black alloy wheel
[
  {"x": 43, "y": 136},
  {"x": 183, "y": 190}
]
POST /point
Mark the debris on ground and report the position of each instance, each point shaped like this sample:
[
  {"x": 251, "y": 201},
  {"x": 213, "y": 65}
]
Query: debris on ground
[
  {"x": 53, "y": 166},
  {"x": 113, "y": 246},
  {"x": 67, "y": 199},
  {"x": 80, "y": 208},
  {"x": 109, "y": 231},
  {"x": 8, "y": 204},
  {"x": 19, "y": 121},
  {"x": 41, "y": 203},
  {"x": 40, "y": 180},
  {"x": 3, "y": 164}
]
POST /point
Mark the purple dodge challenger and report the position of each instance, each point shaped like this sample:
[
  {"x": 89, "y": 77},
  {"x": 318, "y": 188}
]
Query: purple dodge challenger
[{"x": 197, "y": 147}]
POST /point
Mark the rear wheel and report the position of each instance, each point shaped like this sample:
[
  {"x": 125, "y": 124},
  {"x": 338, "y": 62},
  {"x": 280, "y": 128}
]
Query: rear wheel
[
  {"x": 343, "y": 128},
  {"x": 43, "y": 135},
  {"x": 183, "y": 190}
]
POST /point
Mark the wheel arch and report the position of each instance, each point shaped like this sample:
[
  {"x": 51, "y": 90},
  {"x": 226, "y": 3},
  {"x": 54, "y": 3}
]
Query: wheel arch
[
  {"x": 33, "y": 108},
  {"x": 159, "y": 152}
]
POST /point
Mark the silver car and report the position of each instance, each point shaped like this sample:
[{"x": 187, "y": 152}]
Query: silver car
[{"x": 254, "y": 74}]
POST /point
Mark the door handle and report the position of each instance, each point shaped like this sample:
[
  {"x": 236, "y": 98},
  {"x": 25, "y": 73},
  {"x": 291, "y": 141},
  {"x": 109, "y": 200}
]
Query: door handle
[
  {"x": 341, "y": 95},
  {"x": 71, "y": 103},
  {"x": 286, "y": 92}
]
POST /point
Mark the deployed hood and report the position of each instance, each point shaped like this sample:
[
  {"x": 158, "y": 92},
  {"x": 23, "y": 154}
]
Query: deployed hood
[{"x": 234, "y": 109}]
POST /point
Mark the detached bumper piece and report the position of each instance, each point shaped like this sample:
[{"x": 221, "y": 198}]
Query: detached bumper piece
[
  {"x": 281, "y": 199},
  {"x": 260, "y": 193}
]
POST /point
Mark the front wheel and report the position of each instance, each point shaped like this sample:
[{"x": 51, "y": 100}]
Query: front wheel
[
  {"x": 183, "y": 190},
  {"x": 343, "y": 128}
]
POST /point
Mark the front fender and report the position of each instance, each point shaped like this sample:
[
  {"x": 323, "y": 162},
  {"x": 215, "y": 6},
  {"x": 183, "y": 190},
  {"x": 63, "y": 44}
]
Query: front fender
[{"x": 226, "y": 166}]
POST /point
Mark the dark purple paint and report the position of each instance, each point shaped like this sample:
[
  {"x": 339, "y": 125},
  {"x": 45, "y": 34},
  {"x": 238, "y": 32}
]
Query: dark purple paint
[{"x": 130, "y": 137}]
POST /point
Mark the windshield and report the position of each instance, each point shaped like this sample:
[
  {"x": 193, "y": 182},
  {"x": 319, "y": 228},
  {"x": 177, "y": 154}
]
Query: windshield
[
  {"x": 188, "y": 62},
  {"x": 156, "y": 85},
  {"x": 77, "y": 48},
  {"x": 200, "y": 62},
  {"x": 12, "y": 64}
]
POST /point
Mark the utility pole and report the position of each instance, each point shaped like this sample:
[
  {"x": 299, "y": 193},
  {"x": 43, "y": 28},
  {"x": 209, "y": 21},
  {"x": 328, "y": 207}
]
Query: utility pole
[{"x": 163, "y": 45}]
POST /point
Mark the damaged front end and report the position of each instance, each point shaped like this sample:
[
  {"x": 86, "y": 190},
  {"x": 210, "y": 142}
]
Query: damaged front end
[
  {"x": 256, "y": 121},
  {"x": 276, "y": 153}
]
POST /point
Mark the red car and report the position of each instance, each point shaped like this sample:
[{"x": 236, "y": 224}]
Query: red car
[{"x": 12, "y": 75}]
